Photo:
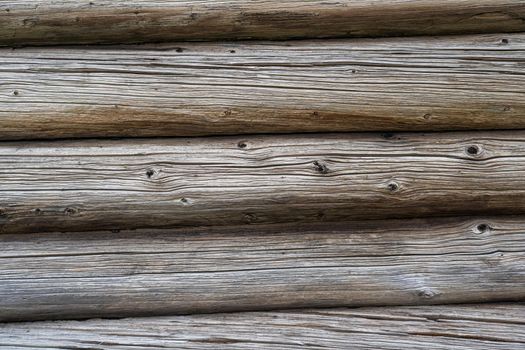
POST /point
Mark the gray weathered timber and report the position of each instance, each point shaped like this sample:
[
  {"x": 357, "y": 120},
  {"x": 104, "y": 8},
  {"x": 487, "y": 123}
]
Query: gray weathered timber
[
  {"x": 460, "y": 327},
  {"x": 85, "y": 185},
  {"x": 445, "y": 83},
  {"x": 43, "y": 22},
  {"x": 152, "y": 272}
]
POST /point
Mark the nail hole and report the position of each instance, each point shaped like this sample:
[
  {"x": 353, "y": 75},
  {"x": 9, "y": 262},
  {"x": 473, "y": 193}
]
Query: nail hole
[
  {"x": 184, "y": 200},
  {"x": 38, "y": 211},
  {"x": 179, "y": 49},
  {"x": 321, "y": 168},
  {"x": 427, "y": 116},
  {"x": 150, "y": 173},
  {"x": 16, "y": 93},
  {"x": 473, "y": 150},
  {"x": 504, "y": 41},
  {"x": 354, "y": 71},
  {"x": 241, "y": 144},
  {"x": 392, "y": 186},
  {"x": 232, "y": 51}
]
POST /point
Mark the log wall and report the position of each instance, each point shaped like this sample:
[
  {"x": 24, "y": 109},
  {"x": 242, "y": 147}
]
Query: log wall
[
  {"x": 468, "y": 327},
  {"x": 166, "y": 272},
  {"x": 141, "y": 195},
  {"x": 41, "y": 22},
  {"x": 444, "y": 83},
  {"x": 130, "y": 184}
]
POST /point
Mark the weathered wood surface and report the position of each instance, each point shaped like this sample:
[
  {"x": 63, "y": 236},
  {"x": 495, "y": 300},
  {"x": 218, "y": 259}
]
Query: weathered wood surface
[
  {"x": 118, "y": 274},
  {"x": 461, "y": 327},
  {"x": 147, "y": 183},
  {"x": 445, "y": 83},
  {"x": 43, "y": 22}
]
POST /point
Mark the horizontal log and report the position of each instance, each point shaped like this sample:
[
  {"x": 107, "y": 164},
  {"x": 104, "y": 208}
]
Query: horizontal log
[
  {"x": 473, "y": 327},
  {"x": 41, "y": 22},
  {"x": 147, "y": 183},
  {"x": 118, "y": 274},
  {"x": 445, "y": 83}
]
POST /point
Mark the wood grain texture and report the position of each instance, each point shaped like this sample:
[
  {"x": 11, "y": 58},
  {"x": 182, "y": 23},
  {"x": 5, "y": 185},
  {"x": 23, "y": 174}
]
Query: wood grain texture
[
  {"x": 153, "y": 272},
  {"x": 461, "y": 327},
  {"x": 445, "y": 83},
  {"x": 147, "y": 183},
  {"x": 41, "y": 22}
]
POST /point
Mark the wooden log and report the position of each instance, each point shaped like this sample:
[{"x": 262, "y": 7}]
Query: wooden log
[
  {"x": 445, "y": 83},
  {"x": 474, "y": 327},
  {"x": 118, "y": 274},
  {"x": 147, "y": 183},
  {"x": 41, "y": 22}
]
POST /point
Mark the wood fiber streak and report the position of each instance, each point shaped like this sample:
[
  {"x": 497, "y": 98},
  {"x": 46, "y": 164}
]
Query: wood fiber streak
[
  {"x": 41, "y": 22},
  {"x": 422, "y": 84},
  {"x": 148, "y": 183},
  {"x": 153, "y": 272},
  {"x": 469, "y": 327}
]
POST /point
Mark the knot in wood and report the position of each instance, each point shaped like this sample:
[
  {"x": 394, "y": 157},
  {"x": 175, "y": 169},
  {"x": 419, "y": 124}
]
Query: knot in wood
[
  {"x": 250, "y": 218},
  {"x": 150, "y": 173},
  {"x": 427, "y": 293},
  {"x": 473, "y": 150},
  {"x": 393, "y": 186},
  {"x": 320, "y": 167},
  {"x": 483, "y": 228},
  {"x": 70, "y": 211}
]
